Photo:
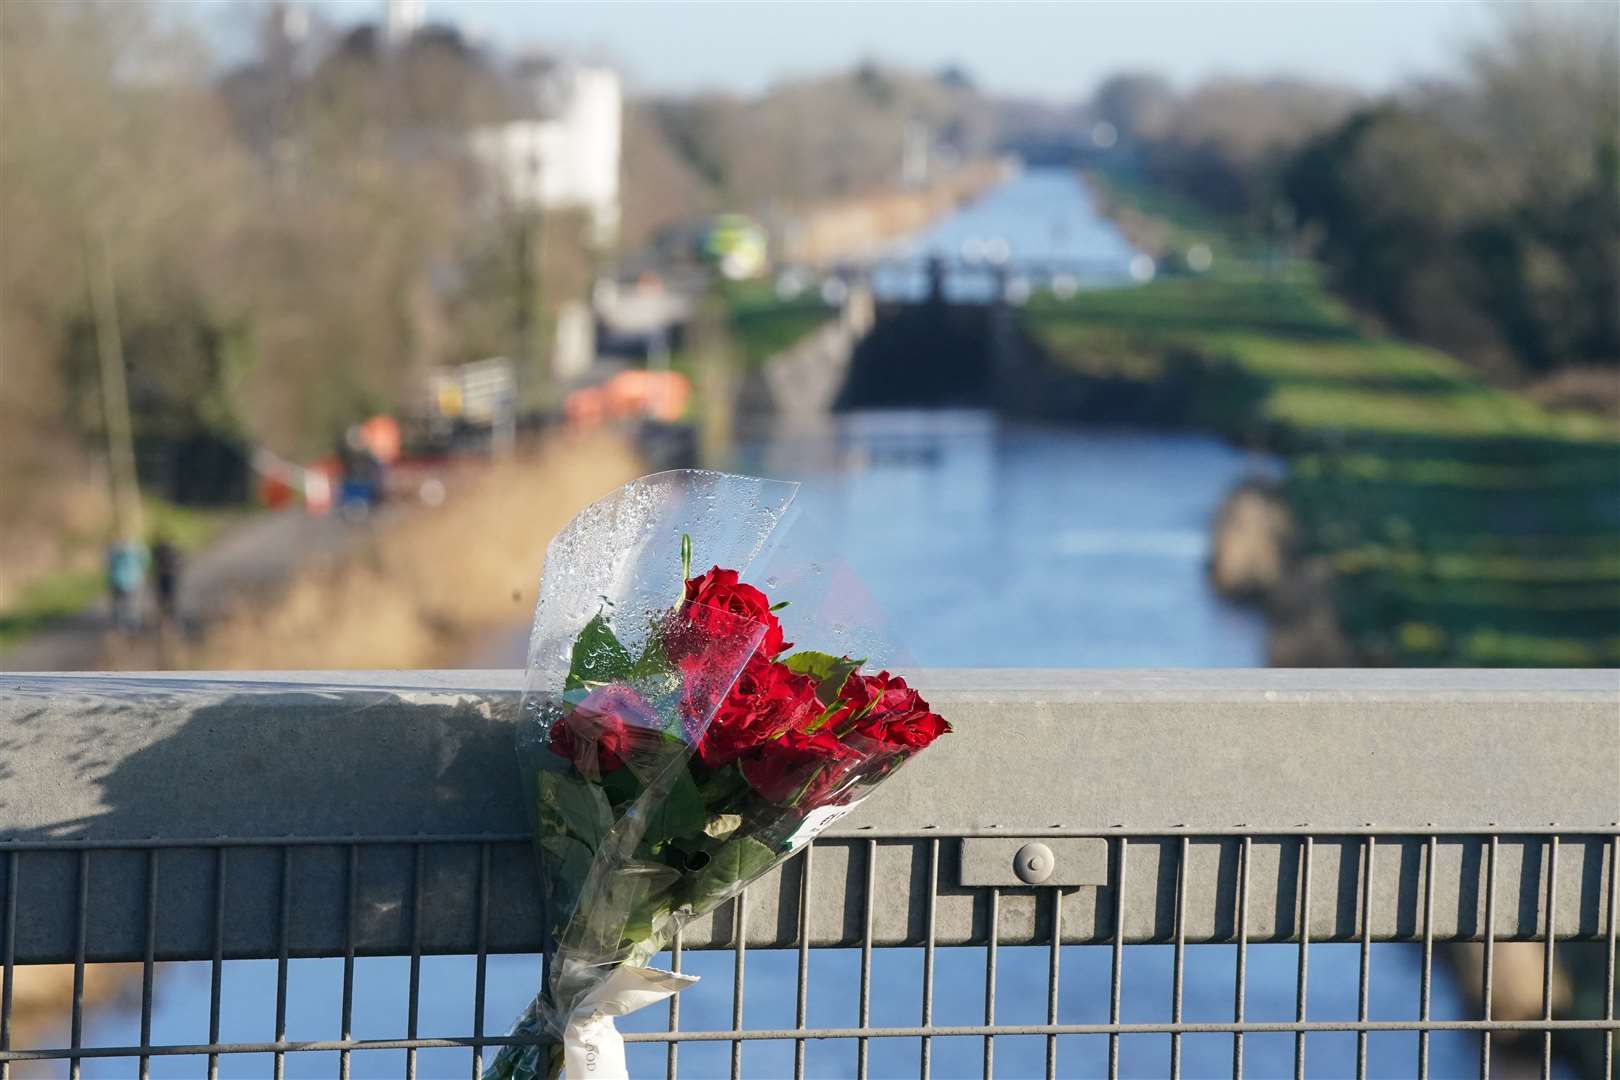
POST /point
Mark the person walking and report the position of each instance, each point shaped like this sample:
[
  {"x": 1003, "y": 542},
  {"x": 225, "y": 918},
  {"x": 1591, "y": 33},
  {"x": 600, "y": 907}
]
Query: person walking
[
  {"x": 166, "y": 561},
  {"x": 126, "y": 572}
]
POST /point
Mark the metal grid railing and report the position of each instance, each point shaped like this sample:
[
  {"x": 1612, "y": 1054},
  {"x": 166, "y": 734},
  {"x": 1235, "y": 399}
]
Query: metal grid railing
[{"x": 1181, "y": 890}]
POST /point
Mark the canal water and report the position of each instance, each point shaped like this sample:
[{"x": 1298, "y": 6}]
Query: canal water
[{"x": 986, "y": 543}]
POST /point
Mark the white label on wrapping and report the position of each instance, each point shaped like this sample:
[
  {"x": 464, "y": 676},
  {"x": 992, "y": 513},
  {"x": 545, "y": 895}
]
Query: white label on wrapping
[
  {"x": 593, "y": 1049},
  {"x": 817, "y": 820}
]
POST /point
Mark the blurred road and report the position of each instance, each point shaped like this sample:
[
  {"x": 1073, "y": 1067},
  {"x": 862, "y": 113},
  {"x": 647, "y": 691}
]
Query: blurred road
[{"x": 260, "y": 556}]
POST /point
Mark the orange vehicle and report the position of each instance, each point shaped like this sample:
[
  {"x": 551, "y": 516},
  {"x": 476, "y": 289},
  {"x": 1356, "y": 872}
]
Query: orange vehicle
[{"x": 656, "y": 395}]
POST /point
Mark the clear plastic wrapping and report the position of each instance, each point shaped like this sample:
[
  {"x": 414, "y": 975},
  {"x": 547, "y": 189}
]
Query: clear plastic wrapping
[{"x": 675, "y": 745}]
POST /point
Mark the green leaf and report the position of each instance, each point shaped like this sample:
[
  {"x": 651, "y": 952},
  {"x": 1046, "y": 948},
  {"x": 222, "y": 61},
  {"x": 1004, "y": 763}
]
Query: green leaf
[
  {"x": 646, "y": 899},
  {"x": 572, "y": 806},
  {"x": 721, "y": 785},
  {"x": 735, "y": 864},
  {"x": 680, "y": 813},
  {"x": 652, "y": 674},
  {"x": 721, "y": 826},
  {"x": 567, "y": 863},
  {"x": 639, "y": 923},
  {"x": 828, "y": 671},
  {"x": 598, "y": 657},
  {"x": 621, "y": 786},
  {"x": 686, "y": 557}
]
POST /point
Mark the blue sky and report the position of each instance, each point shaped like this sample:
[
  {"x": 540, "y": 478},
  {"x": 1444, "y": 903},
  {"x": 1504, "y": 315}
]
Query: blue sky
[{"x": 1049, "y": 50}]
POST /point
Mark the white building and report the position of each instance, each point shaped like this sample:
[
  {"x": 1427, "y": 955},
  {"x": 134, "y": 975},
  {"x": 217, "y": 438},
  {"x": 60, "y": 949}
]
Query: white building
[{"x": 565, "y": 156}]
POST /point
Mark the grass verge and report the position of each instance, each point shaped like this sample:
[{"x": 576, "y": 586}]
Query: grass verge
[
  {"x": 763, "y": 324},
  {"x": 1466, "y": 524}
]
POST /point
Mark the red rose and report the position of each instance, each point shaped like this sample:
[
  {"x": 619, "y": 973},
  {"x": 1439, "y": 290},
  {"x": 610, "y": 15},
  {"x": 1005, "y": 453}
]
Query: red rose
[
  {"x": 853, "y": 698},
  {"x": 720, "y": 591},
  {"x": 603, "y": 730},
  {"x": 778, "y": 770},
  {"x": 766, "y": 700},
  {"x": 887, "y": 711}
]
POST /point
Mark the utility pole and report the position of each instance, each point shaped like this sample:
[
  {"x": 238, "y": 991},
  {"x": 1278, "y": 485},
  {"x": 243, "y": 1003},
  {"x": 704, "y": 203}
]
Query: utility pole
[
  {"x": 716, "y": 380},
  {"x": 535, "y": 345},
  {"x": 524, "y": 212},
  {"x": 126, "y": 501}
]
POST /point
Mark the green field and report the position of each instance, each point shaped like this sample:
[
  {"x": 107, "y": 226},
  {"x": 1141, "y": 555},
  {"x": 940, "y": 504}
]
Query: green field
[{"x": 1466, "y": 524}]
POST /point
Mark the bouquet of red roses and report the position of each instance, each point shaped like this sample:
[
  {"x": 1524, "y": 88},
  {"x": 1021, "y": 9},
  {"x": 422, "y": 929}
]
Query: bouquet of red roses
[{"x": 675, "y": 746}]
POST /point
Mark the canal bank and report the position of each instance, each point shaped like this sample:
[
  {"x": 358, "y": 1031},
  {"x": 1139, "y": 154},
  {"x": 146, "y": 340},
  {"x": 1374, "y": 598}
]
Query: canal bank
[{"x": 1446, "y": 521}]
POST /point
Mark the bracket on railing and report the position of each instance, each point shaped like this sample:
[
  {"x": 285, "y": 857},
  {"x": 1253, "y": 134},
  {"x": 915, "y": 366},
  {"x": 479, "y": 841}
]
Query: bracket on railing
[{"x": 1022, "y": 862}]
